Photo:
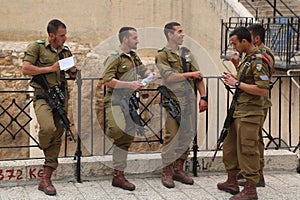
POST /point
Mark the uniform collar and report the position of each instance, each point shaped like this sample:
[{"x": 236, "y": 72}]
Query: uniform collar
[
  {"x": 262, "y": 45},
  {"x": 131, "y": 53},
  {"x": 47, "y": 44},
  {"x": 253, "y": 51},
  {"x": 172, "y": 51}
]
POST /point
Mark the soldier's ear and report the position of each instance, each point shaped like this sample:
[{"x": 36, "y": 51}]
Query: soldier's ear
[
  {"x": 256, "y": 39},
  {"x": 170, "y": 34},
  {"x": 51, "y": 35}
]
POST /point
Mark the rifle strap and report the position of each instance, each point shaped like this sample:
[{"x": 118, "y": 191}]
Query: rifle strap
[
  {"x": 183, "y": 60},
  {"x": 236, "y": 94},
  {"x": 62, "y": 76}
]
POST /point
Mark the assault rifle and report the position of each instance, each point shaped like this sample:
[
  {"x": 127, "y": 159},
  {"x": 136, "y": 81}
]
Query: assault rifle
[
  {"x": 130, "y": 106},
  {"x": 229, "y": 117},
  {"x": 55, "y": 99},
  {"x": 173, "y": 107},
  {"x": 227, "y": 122}
]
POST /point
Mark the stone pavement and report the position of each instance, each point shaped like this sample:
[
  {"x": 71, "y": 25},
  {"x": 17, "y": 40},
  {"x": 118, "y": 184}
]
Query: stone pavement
[
  {"x": 19, "y": 178},
  {"x": 279, "y": 185}
]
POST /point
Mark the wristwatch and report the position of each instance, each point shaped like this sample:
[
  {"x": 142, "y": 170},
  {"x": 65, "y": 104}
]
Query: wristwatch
[
  {"x": 205, "y": 98},
  {"x": 237, "y": 84}
]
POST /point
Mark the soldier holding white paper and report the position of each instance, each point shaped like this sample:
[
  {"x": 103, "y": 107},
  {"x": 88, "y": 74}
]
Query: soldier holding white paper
[{"x": 41, "y": 57}]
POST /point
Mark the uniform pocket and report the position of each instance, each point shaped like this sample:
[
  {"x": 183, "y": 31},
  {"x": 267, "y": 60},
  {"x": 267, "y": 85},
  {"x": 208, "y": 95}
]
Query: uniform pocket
[{"x": 250, "y": 127}]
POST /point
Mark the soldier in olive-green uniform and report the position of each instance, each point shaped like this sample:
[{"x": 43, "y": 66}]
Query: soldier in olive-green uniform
[
  {"x": 180, "y": 73},
  {"x": 241, "y": 146},
  {"x": 41, "y": 57},
  {"x": 258, "y": 38},
  {"x": 122, "y": 69}
]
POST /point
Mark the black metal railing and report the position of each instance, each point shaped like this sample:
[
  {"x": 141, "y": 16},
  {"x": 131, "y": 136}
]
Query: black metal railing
[
  {"x": 276, "y": 11},
  {"x": 282, "y": 36},
  {"x": 281, "y": 130}
]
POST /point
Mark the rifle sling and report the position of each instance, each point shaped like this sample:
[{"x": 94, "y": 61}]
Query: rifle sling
[
  {"x": 238, "y": 91},
  {"x": 62, "y": 76},
  {"x": 183, "y": 60}
]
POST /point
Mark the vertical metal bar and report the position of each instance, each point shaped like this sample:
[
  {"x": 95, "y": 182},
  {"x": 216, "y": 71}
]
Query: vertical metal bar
[
  {"x": 279, "y": 112},
  {"x": 195, "y": 142},
  {"x": 274, "y": 10},
  {"x": 92, "y": 116},
  {"x": 218, "y": 105},
  {"x": 104, "y": 118},
  {"x": 290, "y": 111},
  {"x": 206, "y": 116},
  {"x": 78, "y": 152},
  {"x": 288, "y": 44}
]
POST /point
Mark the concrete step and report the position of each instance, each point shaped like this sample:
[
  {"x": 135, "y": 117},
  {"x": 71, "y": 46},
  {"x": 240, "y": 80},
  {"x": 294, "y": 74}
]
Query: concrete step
[{"x": 23, "y": 172}]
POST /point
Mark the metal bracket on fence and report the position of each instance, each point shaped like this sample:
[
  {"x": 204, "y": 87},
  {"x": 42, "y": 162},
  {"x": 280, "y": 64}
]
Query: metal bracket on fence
[{"x": 289, "y": 72}]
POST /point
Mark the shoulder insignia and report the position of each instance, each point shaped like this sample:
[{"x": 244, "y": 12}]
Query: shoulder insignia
[
  {"x": 264, "y": 77},
  {"x": 40, "y": 41},
  {"x": 115, "y": 53},
  {"x": 160, "y": 49},
  {"x": 258, "y": 57}
]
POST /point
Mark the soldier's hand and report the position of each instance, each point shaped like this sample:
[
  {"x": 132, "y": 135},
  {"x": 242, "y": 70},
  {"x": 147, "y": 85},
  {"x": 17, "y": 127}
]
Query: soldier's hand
[
  {"x": 203, "y": 105},
  {"x": 135, "y": 85},
  {"x": 55, "y": 67},
  {"x": 197, "y": 75},
  {"x": 229, "y": 79},
  {"x": 235, "y": 58}
]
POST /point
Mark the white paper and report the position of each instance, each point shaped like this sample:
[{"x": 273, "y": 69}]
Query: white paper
[{"x": 66, "y": 63}]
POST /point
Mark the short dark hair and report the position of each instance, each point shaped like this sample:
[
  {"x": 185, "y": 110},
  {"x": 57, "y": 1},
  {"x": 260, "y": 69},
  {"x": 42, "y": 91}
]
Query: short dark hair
[
  {"x": 257, "y": 30},
  {"x": 169, "y": 28},
  {"x": 124, "y": 32},
  {"x": 241, "y": 33},
  {"x": 54, "y": 25}
]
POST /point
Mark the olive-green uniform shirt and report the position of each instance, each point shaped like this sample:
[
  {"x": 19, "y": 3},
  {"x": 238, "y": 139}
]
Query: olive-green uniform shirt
[
  {"x": 122, "y": 66},
  {"x": 40, "y": 53},
  {"x": 256, "y": 74},
  {"x": 169, "y": 61}
]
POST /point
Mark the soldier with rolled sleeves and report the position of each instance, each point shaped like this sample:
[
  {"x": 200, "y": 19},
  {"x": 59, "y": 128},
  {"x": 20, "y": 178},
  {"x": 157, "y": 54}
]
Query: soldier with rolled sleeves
[
  {"x": 122, "y": 70},
  {"x": 258, "y": 38},
  {"x": 180, "y": 76},
  {"x": 241, "y": 146},
  {"x": 41, "y": 57}
]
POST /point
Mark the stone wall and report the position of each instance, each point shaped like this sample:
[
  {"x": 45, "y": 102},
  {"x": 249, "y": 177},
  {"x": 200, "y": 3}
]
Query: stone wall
[
  {"x": 12, "y": 103},
  {"x": 94, "y": 21}
]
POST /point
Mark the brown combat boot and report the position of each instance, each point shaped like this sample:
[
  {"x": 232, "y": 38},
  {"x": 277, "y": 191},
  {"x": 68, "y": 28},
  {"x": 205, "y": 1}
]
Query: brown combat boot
[
  {"x": 230, "y": 185},
  {"x": 166, "y": 176},
  {"x": 120, "y": 181},
  {"x": 45, "y": 184},
  {"x": 248, "y": 193},
  {"x": 261, "y": 182},
  {"x": 179, "y": 174}
]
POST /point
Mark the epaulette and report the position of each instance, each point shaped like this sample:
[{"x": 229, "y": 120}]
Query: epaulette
[
  {"x": 257, "y": 56},
  {"x": 40, "y": 41},
  {"x": 262, "y": 57},
  {"x": 66, "y": 47},
  {"x": 160, "y": 49},
  {"x": 115, "y": 53}
]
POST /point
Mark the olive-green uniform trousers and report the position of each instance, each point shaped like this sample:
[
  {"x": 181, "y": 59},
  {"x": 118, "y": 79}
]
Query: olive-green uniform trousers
[
  {"x": 121, "y": 67},
  {"x": 116, "y": 130},
  {"x": 41, "y": 54},
  {"x": 177, "y": 141},
  {"x": 50, "y": 132},
  {"x": 241, "y": 146}
]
